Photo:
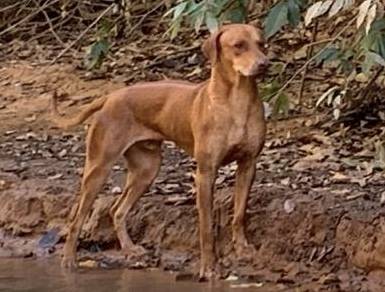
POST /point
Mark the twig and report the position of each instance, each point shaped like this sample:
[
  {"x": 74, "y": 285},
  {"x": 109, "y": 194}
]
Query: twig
[
  {"x": 309, "y": 52},
  {"x": 28, "y": 17},
  {"x": 143, "y": 18},
  {"x": 171, "y": 56},
  {"x": 82, "y": 34},
  {"x": 320, "y": 42},
  {"x": 12, "y": 5},
  {"x": 313, "y": 58},
  {"x": 50, "y": 25}
]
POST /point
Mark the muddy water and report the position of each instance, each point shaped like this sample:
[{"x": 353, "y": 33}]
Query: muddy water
[{"x": 46, "y": 276}]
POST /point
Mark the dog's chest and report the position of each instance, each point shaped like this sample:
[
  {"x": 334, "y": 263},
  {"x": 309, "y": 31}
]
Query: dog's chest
[{"x": 243, "y": 132}]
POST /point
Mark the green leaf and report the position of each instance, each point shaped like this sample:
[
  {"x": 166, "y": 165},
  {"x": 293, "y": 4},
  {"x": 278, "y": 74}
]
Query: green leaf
[
  {"x": 178, "y": 10},
  {"x": 199, "y": 21},
  {"x": 269, "y": 90},
  {"x": 294, "y": 12},
  {"x": 97, "y": 53},
  {"x": 281, "y": 104},
  {"x": 376, "y": 58},
  {"x": 211, "y": 22},
  {"x": 330, "y": 54},
  {"x": 237, "y": 15},
  {"x": 276, "y": 19},
  {"x": 367, "y": 64},
  {"x": 378, "y": 25}
]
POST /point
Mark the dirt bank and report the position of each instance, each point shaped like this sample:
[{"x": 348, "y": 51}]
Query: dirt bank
[{"x": 314, "y": 215}]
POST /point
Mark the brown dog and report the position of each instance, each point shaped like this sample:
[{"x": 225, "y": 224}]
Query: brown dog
[{"x": 218, "y": 121}]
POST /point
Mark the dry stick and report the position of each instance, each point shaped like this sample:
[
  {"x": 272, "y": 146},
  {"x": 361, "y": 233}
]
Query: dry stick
[
  {"x": 50, "y": 25},
  {"x": 28, "y": 17},
  {"x": 82, "y": 34},
  {"x": 314, "y": 57},
  {"x": 309, "y": 52},
  {"x": 12, "y": 6},
  {"x": 144, "y": 17}
]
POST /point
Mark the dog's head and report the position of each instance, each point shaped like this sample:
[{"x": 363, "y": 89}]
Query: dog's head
[{"x": 242, "y": 46}]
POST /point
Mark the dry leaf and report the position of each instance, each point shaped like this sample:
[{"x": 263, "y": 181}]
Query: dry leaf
[
  {"x": 336, "y": 7},
  {"x": 362, "y": 12},
  {"x": 371, "y": 17}
]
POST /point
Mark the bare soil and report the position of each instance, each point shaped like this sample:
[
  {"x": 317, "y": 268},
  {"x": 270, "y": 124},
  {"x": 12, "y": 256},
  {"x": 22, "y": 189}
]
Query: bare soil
[{"x": 315, "y": 216}]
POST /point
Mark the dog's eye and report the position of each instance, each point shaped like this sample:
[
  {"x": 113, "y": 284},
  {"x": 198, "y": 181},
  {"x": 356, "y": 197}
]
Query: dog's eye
[
  {"x": 261, "y": 44},
  {"x": 239, "y": 45}
]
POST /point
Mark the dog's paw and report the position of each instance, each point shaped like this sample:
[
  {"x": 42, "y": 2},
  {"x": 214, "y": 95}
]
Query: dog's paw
[
  {"x": 69, "y": 263},
  {"x": 210, "y": 272},
  {"x": 245, "y": 251},
  {"x": 134, "y": 251}
]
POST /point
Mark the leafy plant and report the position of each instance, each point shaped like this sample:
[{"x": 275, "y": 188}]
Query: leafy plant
[
  {"x": 211, "y": 13},
  {"x": 283, "y": 13},
  {"x": 98, "y": 50},
  {"x": 280, "y": 101}
]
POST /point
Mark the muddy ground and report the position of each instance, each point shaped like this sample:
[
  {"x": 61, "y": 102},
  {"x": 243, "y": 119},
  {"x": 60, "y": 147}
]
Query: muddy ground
[{"x": 315, "y": 214}]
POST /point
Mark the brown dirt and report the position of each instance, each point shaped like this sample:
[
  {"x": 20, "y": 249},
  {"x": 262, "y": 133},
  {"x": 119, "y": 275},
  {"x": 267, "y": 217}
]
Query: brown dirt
[{"x": 316, "y": 221}]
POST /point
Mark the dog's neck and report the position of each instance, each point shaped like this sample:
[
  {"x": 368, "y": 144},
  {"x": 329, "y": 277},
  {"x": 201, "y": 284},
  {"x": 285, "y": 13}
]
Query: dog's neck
[{"x": 226, "y": 84}]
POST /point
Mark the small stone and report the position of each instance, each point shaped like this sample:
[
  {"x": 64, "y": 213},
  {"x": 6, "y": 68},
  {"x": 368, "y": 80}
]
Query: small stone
[
  {"x": 30, "y": 119},
  {"x": 232, "y": 278},
  {"x": 382, "y": 200},
  {"x": 62, "y": 153},
  {"x": 88, "y": 264},
  {"x": 7, "y": 133},
  {"x": 116, "y": 167},
  {"x": 116, "y": 190},
  {"x": 285, "y": 181},
  {"x": 49, "y": 239},
  {"x": 289, "y": 206}
]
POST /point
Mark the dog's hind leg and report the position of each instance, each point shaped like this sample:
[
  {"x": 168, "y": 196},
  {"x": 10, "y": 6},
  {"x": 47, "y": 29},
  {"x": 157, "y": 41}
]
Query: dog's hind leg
[
  {"x": 104, "y": 146},
  {"x": 143, "y": 163}
]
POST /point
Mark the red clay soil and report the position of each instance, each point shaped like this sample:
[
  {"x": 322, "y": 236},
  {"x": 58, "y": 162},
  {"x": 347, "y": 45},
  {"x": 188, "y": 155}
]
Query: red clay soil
[{"x": 315, "y": 218}]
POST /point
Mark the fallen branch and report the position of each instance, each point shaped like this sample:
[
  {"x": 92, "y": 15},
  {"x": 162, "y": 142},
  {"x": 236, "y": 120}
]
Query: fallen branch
[
  {"x": 28, "y": 17},
  {"x": 82, "y": 34},
  {"x": 12, "y": 5},
  {"x": 144, "y": 17},
  {"x": 50, "y": 25}
]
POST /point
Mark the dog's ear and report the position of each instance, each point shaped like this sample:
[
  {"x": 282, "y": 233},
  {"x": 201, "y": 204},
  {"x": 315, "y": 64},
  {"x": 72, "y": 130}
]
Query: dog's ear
[{"x": 211, "y": 47}]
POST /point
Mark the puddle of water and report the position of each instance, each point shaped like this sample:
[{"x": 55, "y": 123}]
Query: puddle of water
[{"x": 21, "y": 275}]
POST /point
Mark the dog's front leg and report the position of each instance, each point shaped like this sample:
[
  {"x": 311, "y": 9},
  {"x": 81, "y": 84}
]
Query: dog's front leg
[
  {"x": 244, "y": 179},
  {"x": 205, "y": 178}
]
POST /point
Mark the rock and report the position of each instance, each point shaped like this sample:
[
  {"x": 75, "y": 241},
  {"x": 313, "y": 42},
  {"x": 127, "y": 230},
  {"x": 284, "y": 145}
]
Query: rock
[
  {"x": 116, "y": 190},
  {"x": 289, "y": 206},
  {"x": 49, "y": 239},
  {"x": 232, "y": 278},
  {"x": 90, "y": 264},
  {"x": 62, "y": 153},
  {"x": 382, "y": 199}
]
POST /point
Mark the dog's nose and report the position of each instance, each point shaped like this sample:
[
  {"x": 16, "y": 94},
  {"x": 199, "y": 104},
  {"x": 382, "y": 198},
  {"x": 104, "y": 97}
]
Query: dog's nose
[{"x": 264, "y": 63}]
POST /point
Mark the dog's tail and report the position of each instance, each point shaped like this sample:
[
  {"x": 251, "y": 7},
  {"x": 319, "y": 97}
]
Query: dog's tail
[{"x": 77, "y": 119}]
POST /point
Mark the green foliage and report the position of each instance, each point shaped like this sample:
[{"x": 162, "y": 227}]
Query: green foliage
[
  {"x": 271, "y": 93},
  {"x": 99, "y": 49},
  {"x": 283, "y": 13},
  {"x": 373, "y": 46},
  {"x": 210, "y": 13}
]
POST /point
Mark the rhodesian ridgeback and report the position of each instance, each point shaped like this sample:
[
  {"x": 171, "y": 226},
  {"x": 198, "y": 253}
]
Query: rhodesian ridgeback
[{"x": 217, "y": 121}]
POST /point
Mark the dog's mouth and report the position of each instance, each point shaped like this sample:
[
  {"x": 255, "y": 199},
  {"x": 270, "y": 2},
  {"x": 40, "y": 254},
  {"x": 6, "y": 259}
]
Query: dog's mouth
[{"x": 258, "y": 72}]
